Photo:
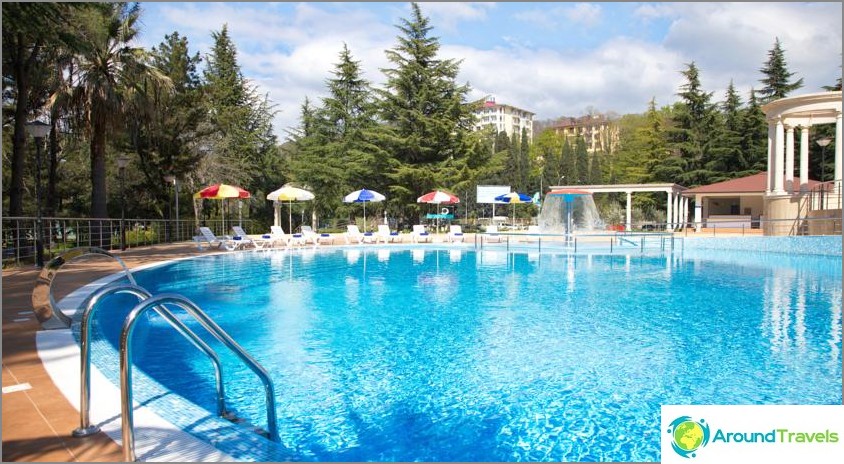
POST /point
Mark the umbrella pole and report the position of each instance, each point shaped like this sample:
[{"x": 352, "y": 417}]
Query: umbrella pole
[
  {"x": 240, "y": 213},
  {"x": 364, "y": 216},
  {"x": 290, "y": 216}
]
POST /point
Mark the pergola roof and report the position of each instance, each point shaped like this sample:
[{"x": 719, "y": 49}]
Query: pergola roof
[{"x": 756, "y": 183}]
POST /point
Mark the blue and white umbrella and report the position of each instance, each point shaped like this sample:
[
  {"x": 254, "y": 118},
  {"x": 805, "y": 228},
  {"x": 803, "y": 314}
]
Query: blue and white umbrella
[
  {"x": 363, "y": 196},
  {"x": 514, "y": 197}
]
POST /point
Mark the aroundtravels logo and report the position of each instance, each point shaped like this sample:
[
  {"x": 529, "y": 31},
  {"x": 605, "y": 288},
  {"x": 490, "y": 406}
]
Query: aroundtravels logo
[{"x": 687, "y": 435}]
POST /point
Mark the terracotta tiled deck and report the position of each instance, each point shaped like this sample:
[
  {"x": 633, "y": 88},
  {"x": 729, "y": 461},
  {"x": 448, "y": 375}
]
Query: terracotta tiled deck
[{"x": 37, "y": 422}]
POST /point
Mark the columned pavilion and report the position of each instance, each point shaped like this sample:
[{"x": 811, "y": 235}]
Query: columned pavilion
[
  {"x": 677, "y": 206},
  {"x": 785, "y": 117}
]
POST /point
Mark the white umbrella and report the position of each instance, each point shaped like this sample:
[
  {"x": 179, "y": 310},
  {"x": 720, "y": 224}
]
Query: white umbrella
[
  {"x": 363, "y": 196},
  {"x": 290, "y": 194}
]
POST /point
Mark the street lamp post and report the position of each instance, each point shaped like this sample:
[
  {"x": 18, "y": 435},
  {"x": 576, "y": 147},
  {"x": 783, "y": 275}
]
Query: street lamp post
[
  {"x": 122, "y": 162},
  {"x": 39, "y": 131},
  {"x": 823, "y": 142},
  {"x": 175, "y": 181}
]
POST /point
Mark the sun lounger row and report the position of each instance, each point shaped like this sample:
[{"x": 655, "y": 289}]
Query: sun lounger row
[{"x": 277, "y": 237}]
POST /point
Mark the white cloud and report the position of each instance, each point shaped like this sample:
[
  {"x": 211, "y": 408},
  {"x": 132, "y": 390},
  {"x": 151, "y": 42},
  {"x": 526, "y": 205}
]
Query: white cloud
[
  {"x": 290, "y": 52},
  {"x": 623, "y": 75},
  {"x": 587, "y": 14},
  {"x": 448, "y": 15},
  {"x": 731, "y": 41}
]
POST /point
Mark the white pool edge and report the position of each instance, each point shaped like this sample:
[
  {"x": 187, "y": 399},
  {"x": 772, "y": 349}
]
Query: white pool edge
[{"x": 156, "y": 439}]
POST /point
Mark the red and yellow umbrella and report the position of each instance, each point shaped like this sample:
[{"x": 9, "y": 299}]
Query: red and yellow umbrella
[{"x": 221, "y": 192}]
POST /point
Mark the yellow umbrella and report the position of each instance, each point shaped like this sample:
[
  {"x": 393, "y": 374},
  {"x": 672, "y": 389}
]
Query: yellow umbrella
[{"x": 290, "y": 194}]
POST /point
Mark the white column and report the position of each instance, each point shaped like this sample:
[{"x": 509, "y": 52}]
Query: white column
[
  {"x": 789, "y": 159},
  {"x": 628, "y": 225},
  {"x": 804, "y": 158},
  {"x": 684, "y": 212},
  {"x": 837, "y": 170},
  {"x": 778, "y": 161},
  {"x": 677, "y": 200},
  {"x": 770, "y": 185},
  {"x": 698, "y": 212},
  {"x": 669, "y": 218}
]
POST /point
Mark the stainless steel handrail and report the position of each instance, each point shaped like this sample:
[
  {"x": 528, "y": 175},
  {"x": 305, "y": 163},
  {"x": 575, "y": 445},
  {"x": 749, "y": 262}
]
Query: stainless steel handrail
[
  {"x": 43, "y": 304},
  {"x": 85, "y": 426},
  {"x": 215, "y": 330}
]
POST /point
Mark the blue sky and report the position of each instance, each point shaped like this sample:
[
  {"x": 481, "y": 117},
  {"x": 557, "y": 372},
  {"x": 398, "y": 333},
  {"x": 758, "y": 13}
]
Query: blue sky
[{"x": 552, "y": 58}]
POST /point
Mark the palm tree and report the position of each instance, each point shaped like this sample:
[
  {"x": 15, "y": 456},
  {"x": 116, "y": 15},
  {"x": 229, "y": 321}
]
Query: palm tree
[{"x": 108, "y": 72}]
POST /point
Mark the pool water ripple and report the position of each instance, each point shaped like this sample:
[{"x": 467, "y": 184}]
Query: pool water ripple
[{"x": 487, "y": 356}]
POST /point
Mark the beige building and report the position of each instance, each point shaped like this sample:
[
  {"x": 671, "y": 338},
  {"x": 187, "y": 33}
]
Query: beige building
[
  {"x": 504, "y": 118},
  {"x": 599, "y": 132}
]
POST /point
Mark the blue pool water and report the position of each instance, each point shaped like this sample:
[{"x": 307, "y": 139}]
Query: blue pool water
[{"x": 456, "y": 355}]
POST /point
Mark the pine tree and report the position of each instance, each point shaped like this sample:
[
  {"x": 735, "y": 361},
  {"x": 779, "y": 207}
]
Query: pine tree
[
  {"x": 424, "y": 109},
  {"x": 776, "y": 83},
  {"x": 695, "y": 131},
  {"x": 242, "y": 136},
  {"x": 754, "y": 137},
  {"x": 727, "y": 156},
  {"x": 165, "y": 131}
]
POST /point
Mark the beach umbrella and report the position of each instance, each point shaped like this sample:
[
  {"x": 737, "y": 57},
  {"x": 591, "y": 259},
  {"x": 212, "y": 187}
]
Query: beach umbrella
[
  {"x": 363, "y": 196},
  {"x": 438, "y": 197},
  {"x": 290, "y": 194},
  {"x": 221, "y": 192},
  {"x": 514, "y": 197},
  {"x": 569, "y": 195}
]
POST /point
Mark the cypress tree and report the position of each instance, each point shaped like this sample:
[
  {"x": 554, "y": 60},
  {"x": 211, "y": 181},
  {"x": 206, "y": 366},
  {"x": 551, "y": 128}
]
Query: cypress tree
[{"x": 581, "y": 156}]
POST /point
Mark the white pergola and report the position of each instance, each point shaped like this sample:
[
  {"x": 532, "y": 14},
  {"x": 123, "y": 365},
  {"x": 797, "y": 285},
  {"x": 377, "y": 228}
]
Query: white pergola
[
  {"x": 786, "y": 115},
  {"x": 677, "y": 206}
]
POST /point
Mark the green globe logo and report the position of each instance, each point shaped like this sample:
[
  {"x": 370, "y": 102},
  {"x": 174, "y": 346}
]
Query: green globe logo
[{"x": 688, "y": 435}]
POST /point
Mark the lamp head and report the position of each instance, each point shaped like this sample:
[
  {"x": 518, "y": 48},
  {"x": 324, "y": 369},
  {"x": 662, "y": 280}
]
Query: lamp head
[
  {"x": 823, "y": 142},
  {"x": 123, "y": 161},
  {"x": 38, "y": 129}
]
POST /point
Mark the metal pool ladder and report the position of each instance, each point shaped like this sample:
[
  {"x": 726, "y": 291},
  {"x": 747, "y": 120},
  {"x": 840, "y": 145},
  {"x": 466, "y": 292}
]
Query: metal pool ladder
[{"x": 191, "y": 308}]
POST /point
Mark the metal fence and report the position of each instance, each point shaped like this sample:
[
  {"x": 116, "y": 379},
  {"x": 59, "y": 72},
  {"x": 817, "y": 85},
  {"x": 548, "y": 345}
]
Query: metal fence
[{"x": 58, "y": 234}]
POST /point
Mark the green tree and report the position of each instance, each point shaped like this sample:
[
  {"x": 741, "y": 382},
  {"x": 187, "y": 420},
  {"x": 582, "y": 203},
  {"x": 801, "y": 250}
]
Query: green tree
[
  {"x": 241, "y": 130},
  {"x": 108, "y": 72},
  {"x": 777, "y": 82},
  {"x": 694, "y": 133},
  {"x": 596, "y": 171},
  {"x": 348, "y": 135},
  {"x": 754, "y": 137},
  {"x": 727, "y": 155},
  {"x": 168, "y": 129},
  {"x": 33, "y": 36},
  {"x": 524, "y": 161},
  {"x": 424, "y": 110},
  {"x": 581, "y": 156}
]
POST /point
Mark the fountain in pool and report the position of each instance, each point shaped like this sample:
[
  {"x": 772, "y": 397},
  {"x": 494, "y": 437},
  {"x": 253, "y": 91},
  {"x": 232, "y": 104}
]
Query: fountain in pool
[{"x": 568, "y": 211}]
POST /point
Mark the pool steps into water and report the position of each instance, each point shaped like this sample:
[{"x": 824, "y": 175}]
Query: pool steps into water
[{"x": 53, "y": 318}]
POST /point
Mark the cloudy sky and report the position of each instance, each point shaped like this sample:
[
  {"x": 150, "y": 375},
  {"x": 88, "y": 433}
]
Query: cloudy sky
[{"x": 553, "y": 58}]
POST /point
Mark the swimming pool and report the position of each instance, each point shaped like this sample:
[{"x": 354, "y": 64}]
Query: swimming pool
[{"x": 445, "y": 354}]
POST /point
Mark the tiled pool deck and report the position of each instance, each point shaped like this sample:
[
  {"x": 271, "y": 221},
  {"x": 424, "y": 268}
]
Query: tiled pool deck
[{"x": 37, "y": 417}]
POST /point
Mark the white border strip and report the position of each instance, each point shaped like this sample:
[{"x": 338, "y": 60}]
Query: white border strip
[{"x": 156, "y": 439}]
